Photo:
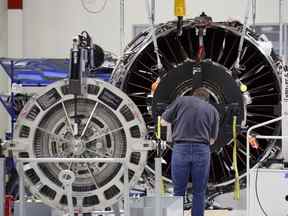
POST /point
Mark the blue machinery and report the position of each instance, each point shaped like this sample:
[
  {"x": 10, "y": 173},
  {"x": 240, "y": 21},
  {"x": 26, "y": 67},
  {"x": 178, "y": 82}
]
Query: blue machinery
[{"x": 38, "y": 73}]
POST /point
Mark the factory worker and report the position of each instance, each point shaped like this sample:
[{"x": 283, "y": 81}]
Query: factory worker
[{"x": 195, "y": 125}]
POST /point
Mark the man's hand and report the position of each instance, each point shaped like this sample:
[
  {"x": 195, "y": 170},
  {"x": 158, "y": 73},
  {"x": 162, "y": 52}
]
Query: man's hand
[
  {"x": 154, "y": 86},
  {"x": 212, "y": 141},
  {"x": 163, "y": 122}
]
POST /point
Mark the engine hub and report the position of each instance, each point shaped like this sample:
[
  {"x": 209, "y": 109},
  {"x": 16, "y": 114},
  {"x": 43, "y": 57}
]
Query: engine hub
[
  {"x": 216, "y": 79},
  {"x": 109, "y": 125}
]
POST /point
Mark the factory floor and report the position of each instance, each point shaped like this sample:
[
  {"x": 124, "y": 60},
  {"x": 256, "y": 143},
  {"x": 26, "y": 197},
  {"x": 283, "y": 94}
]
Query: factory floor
[{"x": 219, "y": 213}]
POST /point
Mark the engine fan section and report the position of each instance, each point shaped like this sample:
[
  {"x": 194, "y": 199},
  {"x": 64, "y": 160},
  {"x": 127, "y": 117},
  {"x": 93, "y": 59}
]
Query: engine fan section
[{"x": 180, "y": 55}]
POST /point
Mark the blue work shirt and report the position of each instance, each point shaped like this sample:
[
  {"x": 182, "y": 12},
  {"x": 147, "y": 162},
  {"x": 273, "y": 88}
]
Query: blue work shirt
[{"x": 193, "y": 120}]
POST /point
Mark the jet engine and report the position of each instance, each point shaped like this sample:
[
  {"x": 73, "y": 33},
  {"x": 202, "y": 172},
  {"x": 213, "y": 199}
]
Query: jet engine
[{"x": 205, "y": 55}]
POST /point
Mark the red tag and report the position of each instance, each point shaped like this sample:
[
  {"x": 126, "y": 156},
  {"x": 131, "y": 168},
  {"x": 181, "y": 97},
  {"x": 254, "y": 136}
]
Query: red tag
[
  {"x": 200, "y": 54},
  {"x": 15, "y": 4}
]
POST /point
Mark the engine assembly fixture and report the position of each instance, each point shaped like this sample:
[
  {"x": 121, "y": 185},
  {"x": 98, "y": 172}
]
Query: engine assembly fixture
[
  {"x": 81, "y": 117},
  {"x": 205, "y": 55}
]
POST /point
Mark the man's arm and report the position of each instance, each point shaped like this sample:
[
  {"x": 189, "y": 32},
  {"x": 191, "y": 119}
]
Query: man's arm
[
  {"x": 215, "y": 128},
  {"x": 170, "y": 113}
]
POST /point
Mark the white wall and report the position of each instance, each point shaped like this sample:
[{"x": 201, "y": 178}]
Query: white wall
[
  {"x": 3, "y": 52},
  {"x": 49, "y": 25},
  {"x": 15, "y": 33},
  {"x": 3, "y": 27}
]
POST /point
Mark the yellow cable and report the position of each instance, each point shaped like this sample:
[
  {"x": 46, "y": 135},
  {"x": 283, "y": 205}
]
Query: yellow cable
[
  {"x": 235, "y": 166},
  {"x": 158, "y": 133},
  {"x": 158, "y": 136}
]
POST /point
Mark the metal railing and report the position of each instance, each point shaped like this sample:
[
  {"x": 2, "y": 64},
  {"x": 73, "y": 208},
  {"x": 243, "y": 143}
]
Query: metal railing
[{"x": 248, "y": 153}]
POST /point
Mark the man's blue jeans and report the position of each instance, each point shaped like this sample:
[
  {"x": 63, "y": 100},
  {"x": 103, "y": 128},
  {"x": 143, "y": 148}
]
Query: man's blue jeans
[{"x": 191, "y": 160}]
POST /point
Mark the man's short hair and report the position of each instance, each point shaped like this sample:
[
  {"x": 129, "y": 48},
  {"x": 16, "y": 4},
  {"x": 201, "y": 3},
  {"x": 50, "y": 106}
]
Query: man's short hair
[{"x": 202, "y": 93}]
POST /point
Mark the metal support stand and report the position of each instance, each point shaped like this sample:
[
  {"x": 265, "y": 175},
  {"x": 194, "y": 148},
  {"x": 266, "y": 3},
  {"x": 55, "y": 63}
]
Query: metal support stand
[
  {"x": 158, "y": 176},
  {"x": 126, "y": 191},
  {"x": 22, "y": 210},
  {"x": 68, "y": 181},
  {"x": 67, "y": 177},
  {"x": 9, "y": 106},
  {"x": 151, "y": 17},
  {"x": 254, "y": 11},
  {"x": 284, "y": 75},
  {"x": 116, "y": 209},
  {"x": 122, "y": 27},
  {"x": 284, "y": 153},
  {"x": 284, "y": 13},
  {"x": 158, "y": 169},
  {"x": 240, "y": 47},
  {"x": 285, "y": 43},
  {"x": 281, "y": 28}
]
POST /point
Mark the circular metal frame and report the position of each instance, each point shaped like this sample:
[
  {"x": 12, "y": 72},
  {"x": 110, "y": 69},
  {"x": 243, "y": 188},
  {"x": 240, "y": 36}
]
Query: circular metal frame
[{"x": 111, "y": 126}]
